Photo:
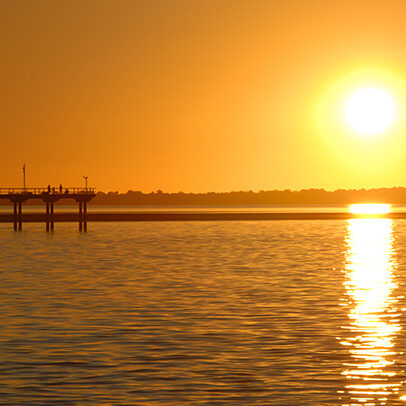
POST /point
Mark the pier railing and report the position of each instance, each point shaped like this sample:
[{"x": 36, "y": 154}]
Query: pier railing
[{"x": 42, "y": 190}]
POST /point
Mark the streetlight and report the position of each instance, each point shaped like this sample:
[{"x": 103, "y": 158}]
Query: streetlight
[
  {"x": 86, "y": 181},
  {"x": 24, "y": 176}
]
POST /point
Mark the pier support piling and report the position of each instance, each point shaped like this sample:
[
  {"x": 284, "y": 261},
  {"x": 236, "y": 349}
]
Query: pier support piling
[
  {"x": 47, "y": 215},
  {"x": 85, "y": 217},
  {"x": 15, "y": 216},
  {"x": 20, "y": 215},
  {"x": 80, "y": 216},
  {"x": 52, "y": 216}
]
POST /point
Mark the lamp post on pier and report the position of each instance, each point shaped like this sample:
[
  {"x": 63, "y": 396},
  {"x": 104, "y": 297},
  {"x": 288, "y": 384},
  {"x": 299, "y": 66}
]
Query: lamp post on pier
[{"x": 24, "y": 177}]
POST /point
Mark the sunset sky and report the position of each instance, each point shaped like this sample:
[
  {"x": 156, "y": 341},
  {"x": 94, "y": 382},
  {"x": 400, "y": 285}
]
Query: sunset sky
[{"x": 199, "y": 95}]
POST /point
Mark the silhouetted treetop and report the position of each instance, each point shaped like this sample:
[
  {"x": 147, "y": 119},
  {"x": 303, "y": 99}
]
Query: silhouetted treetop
[
  {"x": 395, "y": 195},
  {"x": 306, "y": 196}
]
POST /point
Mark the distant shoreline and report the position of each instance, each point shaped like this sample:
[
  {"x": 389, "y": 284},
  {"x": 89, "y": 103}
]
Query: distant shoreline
[
  {"x": 159, "y": 198},
  {"x": 195, "y": 216}
]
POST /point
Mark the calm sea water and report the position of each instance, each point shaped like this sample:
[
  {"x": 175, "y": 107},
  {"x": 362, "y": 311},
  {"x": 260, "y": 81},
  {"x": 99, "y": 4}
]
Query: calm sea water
[{"x": 237, "y": 313}]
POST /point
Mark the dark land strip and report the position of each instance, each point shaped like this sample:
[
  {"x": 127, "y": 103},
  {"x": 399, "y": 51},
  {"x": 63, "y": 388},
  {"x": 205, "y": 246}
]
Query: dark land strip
[{"x": 195, "y": 216}]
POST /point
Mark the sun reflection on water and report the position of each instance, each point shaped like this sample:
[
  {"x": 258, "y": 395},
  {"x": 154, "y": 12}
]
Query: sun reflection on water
[{"x": 372, "y": 310}]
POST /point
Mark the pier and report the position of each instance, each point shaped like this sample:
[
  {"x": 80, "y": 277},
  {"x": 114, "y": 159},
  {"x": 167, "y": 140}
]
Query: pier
[{"x": 17, "y": 196}]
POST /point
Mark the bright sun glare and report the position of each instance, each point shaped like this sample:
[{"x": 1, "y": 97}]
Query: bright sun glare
[
  {"x": 370, "y": 208},
  {"x": 370, "y": 110}
]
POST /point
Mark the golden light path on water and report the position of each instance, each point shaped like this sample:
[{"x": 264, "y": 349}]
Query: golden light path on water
[{"x": 373, "y": 314}]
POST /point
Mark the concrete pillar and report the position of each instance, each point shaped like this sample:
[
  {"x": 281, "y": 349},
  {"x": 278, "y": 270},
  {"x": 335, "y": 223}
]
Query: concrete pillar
[
  {"x": 47, "y": 215},
  {"x": 52, "y": 216},
  {"x": 85, "y": 217},
  {"x": 20, "y": 215},
  {"x": 80, "y": 216},
  {"x": 15, "y": 216}
]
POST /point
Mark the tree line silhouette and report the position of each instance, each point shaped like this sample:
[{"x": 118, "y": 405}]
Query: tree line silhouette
[
  {"x": 395, "y": 195},
  {"x": 305, "y": 196}
]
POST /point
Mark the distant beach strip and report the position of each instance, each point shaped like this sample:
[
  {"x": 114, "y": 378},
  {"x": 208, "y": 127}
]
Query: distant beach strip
[{"x": 196, "y": 216}]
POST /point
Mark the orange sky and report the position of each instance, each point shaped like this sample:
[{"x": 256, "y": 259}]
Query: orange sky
[{"x": 197, "y": 95}]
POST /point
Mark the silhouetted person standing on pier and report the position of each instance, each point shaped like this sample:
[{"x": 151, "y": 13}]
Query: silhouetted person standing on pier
[
  {"x": 49, "y": 188},
  {"x": 60, "y": 188}
]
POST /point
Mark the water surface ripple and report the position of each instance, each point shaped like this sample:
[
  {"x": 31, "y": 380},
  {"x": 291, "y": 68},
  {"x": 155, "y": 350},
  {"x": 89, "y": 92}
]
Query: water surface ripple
[{"x": 237, "y": 313}]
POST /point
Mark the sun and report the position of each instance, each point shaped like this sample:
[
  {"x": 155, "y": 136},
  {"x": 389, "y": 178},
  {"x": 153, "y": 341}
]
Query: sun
[{"x": 370, "y": 110}]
